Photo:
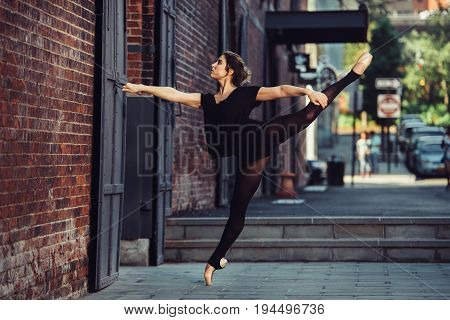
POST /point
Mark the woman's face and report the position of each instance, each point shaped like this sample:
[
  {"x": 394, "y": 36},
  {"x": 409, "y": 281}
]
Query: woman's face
[{"x": 218, "y": 70}]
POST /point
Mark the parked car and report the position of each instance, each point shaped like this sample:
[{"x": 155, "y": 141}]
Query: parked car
[
  {"x": 416, "y": 132},
  {"x": 418, "y": 143},
  {"x": 425, "y": 131},
  {"x": 405, "y": 130},
  {"x": 408, "y": 119},
  {"x": 402, "y": 123},
  {"x": 410, "y": 116},
  {"x": 428, "y": 160}
]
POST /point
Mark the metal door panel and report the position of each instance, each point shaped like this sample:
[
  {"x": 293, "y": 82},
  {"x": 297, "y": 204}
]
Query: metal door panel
[
  {"x": 109, "y": 149},
  {"x": 165, "y": 122}
]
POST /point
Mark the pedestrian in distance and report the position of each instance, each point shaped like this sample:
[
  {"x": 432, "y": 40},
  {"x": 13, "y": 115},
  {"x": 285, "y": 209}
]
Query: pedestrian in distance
[
  {"x": 227, "y": 112},
  {"x": 374, "y": 145},
  {"x": 363, "y": 153}
]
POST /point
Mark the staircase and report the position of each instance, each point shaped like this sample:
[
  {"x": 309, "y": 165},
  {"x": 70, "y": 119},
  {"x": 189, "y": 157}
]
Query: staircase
[{"x": 375, "y": 239}]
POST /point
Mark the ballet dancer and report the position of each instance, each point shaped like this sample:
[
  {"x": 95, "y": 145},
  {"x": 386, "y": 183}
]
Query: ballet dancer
[{"x": 227, "y": 112}]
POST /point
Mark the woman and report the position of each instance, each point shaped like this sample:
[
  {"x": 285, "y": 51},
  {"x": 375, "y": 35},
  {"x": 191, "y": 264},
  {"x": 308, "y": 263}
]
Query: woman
[{"x": 226, "y": 116}]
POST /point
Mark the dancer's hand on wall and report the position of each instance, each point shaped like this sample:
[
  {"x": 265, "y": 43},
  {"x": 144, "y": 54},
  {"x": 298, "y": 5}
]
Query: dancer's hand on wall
[
  {"x": 318, "y": 98},
  {"x": 131, "y": 88}
]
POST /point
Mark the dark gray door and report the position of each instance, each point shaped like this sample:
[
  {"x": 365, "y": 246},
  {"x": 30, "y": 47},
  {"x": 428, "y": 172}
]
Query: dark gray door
[
  {"x": 140, "y": 169},
  {"x": 108, "y": 143},
  {"x": 165, "y": 119}
]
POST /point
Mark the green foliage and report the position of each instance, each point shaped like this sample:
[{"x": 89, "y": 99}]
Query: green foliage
[
  {"x": 346, "y": 120},
  {"x": 345, "y": 124},
  {"x": 421, "y": 59},
  {"x": 437, "y": 115},
  {"x": 427, "y": 57},
  {"x": 352, "y": 51},
  {"x": 377, "y": 8}
]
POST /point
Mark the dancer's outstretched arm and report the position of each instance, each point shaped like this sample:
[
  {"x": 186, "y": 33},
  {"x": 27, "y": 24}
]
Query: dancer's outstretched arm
[
  {"x": 166, "y": 93},
  {"x": 284, "y": 91}
]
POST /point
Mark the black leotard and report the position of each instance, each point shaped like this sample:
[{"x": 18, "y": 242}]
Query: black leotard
[{"x": 228, "y": 128}]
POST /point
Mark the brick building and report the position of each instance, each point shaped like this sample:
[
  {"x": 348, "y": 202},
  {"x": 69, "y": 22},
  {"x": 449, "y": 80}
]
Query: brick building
[
  {"x": 46, "y": 102},
  {"x": 78, "y": 179}
]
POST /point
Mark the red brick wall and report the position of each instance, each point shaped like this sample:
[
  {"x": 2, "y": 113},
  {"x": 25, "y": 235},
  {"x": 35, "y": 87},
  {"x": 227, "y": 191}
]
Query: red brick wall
[
  {"x": 196, "y": 42},
  {"x": 46, "y": 67},
  {"x": 140, "y": 34}
]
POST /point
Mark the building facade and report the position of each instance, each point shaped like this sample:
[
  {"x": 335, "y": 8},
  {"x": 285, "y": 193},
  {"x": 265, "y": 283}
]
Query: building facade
[{"x": 46, "y": 105}]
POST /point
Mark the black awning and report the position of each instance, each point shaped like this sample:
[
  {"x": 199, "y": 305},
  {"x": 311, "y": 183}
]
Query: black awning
[{"x": 293, "y": 27}]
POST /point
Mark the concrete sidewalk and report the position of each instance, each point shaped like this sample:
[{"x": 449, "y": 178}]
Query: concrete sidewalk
[{"x": 284, "y": 280}]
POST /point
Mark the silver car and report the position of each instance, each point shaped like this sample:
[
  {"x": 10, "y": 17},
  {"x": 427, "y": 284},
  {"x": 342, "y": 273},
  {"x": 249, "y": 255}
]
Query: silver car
[
  {"x": 417, "y": 132},
  {"x": 429, "y": 160},
  {"x": 405, "y": 130},
  {"x": 417, "y": 145}
]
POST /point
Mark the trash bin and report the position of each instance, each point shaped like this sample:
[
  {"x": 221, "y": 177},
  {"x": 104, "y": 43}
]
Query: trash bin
[{"x": 335, "y": 170}]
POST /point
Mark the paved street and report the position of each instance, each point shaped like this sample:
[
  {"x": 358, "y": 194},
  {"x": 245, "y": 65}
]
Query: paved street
[
  {"x": 394, "y": 193},
  {"x": 284, "y": 280},
  {"x": 397, "y": 194}
]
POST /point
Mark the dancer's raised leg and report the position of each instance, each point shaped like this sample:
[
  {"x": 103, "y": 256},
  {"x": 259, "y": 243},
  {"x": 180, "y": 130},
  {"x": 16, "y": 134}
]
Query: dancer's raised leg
[
  {"x": 280, "y": 128},
  {"x": 246, "y": 183}
]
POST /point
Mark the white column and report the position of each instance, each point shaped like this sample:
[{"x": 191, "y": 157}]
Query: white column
[{"x": 311, "y": 136}]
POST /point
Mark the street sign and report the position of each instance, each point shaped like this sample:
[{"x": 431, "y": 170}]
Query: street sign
[
  {"x": 387, "y": 83},
  {"x": 299, "y": 62},
  {"x": 312, "y": 76},
  {"x": 327, "y": 76},
  {"x": 388, "y": 105}
]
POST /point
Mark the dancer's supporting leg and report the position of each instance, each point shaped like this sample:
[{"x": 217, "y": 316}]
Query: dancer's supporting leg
[
  {"x": 246, "y": 184},
  {"x": 281, "y": 128}
]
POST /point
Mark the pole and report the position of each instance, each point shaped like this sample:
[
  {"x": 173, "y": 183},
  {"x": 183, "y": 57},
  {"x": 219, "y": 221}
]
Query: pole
[
  {"x": 355, "y": 103},
  {"x": 389, "y": 148},
  {"x": 382, "y": 142},
  {"x": 396, "y": 147}
]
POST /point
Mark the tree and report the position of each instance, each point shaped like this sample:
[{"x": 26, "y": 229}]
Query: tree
[
  {"x": 427, "y": 56},
  {"x": 387, "y": 63}
]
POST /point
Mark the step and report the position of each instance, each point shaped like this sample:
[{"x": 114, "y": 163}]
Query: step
[
  {"x": 314, "y": 227},
  {"x": 424, "y": 239},
  {"x": 412, "y": 250}
]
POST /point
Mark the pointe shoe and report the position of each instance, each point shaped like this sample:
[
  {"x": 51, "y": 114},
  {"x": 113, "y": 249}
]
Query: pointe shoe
[
  {"x": 209, "y": 270},
  {"x": 363, "y": 62}
]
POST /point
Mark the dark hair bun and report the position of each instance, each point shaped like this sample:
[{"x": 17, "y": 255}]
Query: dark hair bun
[{"x": 242, "y": 74}]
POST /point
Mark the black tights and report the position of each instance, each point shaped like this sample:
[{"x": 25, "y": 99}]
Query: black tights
[{"x": 248, "y": 179}]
